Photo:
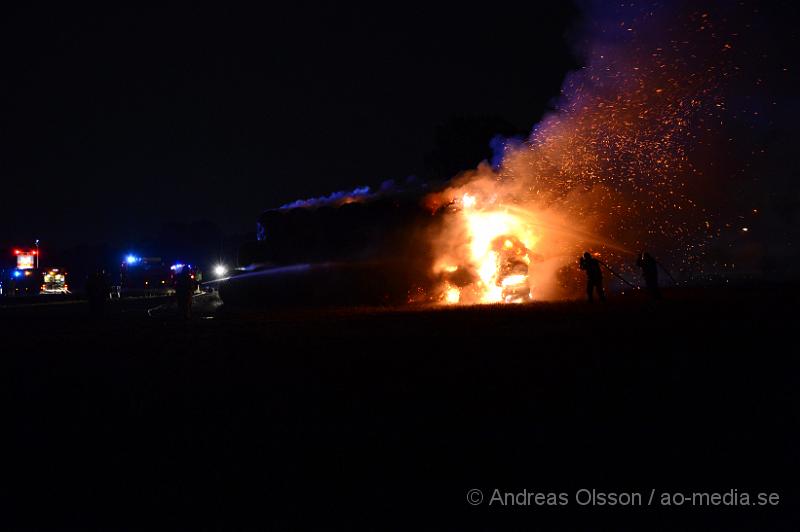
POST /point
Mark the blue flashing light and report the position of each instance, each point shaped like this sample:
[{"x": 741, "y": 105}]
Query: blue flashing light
[
  {"x": 17, "y": 273},
  {"x": 132, "y": 259}
]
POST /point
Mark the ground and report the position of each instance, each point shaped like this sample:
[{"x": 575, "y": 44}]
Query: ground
[{"x": 384, "y": 418}]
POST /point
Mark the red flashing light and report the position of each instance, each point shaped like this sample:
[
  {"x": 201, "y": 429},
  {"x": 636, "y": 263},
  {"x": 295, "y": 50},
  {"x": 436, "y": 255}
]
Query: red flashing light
[
  {"x": 35, "y": 252},
  {"x": 17, "y": 252}
]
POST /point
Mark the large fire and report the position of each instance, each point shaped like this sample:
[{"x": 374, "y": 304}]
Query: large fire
[
  {"x": 627, "y": 160},
  {"x": 616, "y": 168},
  {"x": 500, "y": 248},
  {"x": 496, "y": 251}
]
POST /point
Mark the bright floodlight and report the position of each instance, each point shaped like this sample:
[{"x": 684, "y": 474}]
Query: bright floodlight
[{"x": 220, "y": 270}]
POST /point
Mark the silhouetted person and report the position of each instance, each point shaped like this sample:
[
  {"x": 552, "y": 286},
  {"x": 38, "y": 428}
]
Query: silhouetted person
[
  {"x": 649, "y": 268},
  {"x": 184, "y": 289},
  {"x": 97, "y": 290},
  {"x": 594, "y": 277}
]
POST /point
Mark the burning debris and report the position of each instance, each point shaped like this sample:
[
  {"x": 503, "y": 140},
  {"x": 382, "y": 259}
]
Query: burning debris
[
  {"x": 498, "y": 256},
  {"x": 493, "y": 252}
]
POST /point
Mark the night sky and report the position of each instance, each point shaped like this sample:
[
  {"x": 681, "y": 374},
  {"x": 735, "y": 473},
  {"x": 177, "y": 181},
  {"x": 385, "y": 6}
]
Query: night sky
[{"x": 117, "y": 120}]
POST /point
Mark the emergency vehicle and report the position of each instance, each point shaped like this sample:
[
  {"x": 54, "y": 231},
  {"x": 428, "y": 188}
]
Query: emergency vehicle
[
  {"x": 145, "y": 276},
  {"x": 25, "y": 279},
  {"x": 54, "y": 281}
]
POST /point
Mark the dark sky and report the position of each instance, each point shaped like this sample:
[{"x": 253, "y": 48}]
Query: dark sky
[{"x": 119, "y": 119}]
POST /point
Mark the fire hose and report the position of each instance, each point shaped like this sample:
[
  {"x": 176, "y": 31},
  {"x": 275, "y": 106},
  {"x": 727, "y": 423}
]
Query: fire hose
[
  {"x": 667, "y": 272},
  {"x": 618, "y": 276}
]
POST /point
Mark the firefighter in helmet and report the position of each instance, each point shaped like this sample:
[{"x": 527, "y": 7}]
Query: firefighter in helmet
[
  {"x": 649, "y": 267},
  {"x": 594, "y": 277}
]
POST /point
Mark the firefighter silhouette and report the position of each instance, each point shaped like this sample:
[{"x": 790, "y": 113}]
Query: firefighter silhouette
[
  {"x": 98, "y": 288},
  {"x": 649, "y": 267},
  {"x": 594, "y": 277},
  {"x": 184, "y": 289}
]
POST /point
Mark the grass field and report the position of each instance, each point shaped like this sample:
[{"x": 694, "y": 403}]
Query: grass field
[{"x": 384, "y": 418}]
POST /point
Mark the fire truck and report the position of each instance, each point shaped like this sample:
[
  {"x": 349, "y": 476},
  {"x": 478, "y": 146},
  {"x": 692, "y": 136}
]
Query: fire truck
[
  {"x": 29, "y": 279},
  {"x": 54, "y": 281},
  {"x": 25, "y": 279},
  {"x": 145, "y": 276}
]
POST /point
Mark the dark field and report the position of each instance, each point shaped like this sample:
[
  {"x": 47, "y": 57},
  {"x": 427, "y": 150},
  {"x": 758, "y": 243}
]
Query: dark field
[{"x": 383, "y": 419}]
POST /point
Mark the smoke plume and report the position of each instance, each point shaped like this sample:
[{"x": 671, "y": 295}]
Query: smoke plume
[{"x": 637, "y": 152}]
